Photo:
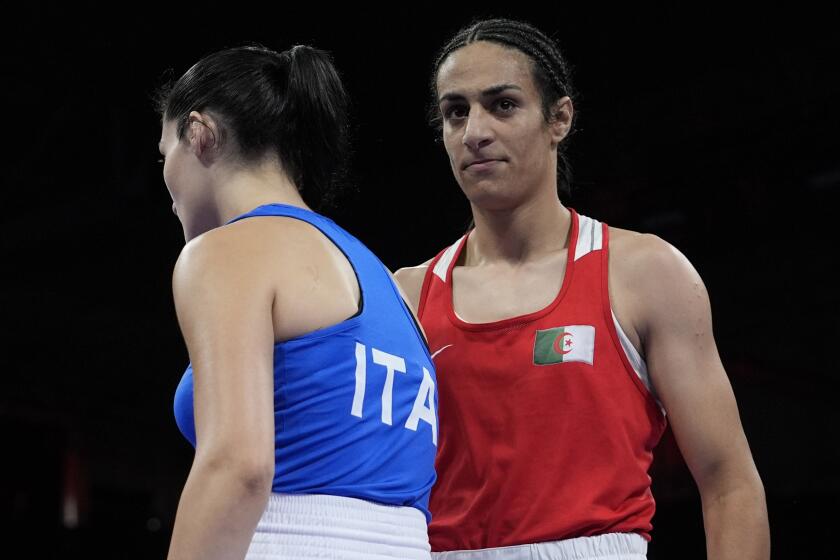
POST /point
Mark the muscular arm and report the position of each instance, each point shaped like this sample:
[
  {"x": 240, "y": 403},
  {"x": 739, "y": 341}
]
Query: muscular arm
[
  {"x": 224, "y": 309},
  {"x": 674, "y": 326}
]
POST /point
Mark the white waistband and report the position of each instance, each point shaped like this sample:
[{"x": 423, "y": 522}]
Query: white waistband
[
  {"x": 320, "y": 526},
  {"x": 611, "y": 546}
]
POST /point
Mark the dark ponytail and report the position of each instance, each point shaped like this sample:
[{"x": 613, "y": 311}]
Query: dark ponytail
[
  {"x": 314, "y": 124},
  {"x": 291, "y": 105}
]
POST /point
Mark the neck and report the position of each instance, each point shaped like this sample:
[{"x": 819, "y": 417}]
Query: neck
[
  {"x": 243, "y": 189},
  {"x": 518, "y": 235}
]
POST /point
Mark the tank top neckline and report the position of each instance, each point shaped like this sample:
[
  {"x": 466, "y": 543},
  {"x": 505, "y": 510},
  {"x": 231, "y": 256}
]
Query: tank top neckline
[{"x": 517, "y": 320}]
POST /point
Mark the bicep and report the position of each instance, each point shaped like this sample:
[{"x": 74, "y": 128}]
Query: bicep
[
  {"x": 225, "y": 316},
  {"x": 687, "y": 372}
]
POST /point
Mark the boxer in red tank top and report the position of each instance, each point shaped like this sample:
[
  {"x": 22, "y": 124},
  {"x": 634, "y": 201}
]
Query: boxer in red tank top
[{"x": 561, "y": 345}]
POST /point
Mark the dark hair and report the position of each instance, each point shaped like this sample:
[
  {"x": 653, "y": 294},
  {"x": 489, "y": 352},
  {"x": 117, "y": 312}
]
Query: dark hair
[
  {"x": 290, "y": 104},
  {"x": 552, "y": 73}
]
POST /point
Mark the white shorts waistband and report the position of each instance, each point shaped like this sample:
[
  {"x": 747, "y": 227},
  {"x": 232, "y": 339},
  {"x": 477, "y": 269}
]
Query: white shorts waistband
[
  {"x": 611, "y": 546},
  {"x": 321, "y": 526}
]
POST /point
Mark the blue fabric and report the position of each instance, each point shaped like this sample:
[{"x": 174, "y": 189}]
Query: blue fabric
[{"x": 333, "y": 389}]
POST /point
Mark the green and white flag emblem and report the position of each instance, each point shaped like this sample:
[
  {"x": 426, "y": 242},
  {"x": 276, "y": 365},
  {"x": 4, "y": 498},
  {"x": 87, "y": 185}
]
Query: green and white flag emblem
[{"x": 574, "y": 343}]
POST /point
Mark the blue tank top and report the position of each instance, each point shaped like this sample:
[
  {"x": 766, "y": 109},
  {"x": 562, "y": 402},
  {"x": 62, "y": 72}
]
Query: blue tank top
[{"x": 355, "y": 404}]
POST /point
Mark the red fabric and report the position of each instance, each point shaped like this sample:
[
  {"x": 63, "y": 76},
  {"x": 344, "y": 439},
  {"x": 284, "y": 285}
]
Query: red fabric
[{"x": 530, "y": 453}]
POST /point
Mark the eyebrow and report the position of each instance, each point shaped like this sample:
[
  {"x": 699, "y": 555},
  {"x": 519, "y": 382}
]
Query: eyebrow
[{"x": 489, "y": 92}]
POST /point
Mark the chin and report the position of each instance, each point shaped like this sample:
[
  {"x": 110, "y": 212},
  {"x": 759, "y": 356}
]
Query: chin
[
  {"x": 489, "y": 197},
  {"x": 492, "y": 201}
]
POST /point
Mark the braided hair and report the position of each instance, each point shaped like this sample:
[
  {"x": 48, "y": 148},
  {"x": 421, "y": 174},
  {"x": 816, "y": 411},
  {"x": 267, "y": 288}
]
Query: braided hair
[{"x": 551, "y": 72}]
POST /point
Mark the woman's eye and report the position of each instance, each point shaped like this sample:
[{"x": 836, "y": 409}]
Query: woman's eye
[
  {"x": 506, "y": 105},
  {"x": 455, "y": 112}
]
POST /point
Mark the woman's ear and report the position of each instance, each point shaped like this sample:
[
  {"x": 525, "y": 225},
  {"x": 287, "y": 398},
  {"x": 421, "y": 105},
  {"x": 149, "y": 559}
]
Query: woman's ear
[
  {"x": 561, "y": 119},
  {"x": 203, "y": 134}
]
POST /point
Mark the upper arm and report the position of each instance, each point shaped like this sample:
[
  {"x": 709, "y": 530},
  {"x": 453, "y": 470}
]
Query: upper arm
[
  {"x": 686, "y": 370},
  {"x": 410, "y": 282},
  {"x": 224, "y": 308}
]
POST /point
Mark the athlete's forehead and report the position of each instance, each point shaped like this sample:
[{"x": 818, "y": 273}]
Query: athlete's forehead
[{"x": 481, "y": 68}]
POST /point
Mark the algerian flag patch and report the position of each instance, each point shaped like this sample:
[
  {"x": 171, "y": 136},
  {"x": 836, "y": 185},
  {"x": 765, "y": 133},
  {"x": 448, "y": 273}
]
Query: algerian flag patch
[{"x": 574, "y": 343}]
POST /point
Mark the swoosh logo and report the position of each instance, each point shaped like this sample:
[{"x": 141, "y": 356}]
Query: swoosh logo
[{"x": 441, "y": 350}]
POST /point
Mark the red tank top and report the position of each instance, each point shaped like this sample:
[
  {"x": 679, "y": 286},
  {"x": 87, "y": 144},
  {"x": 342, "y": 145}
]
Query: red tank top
[{"x": 547, "y": 424}]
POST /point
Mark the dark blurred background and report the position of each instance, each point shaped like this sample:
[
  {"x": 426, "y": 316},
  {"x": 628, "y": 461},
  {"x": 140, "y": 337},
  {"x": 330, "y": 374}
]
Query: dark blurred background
[{"x": 714, "y": 129}]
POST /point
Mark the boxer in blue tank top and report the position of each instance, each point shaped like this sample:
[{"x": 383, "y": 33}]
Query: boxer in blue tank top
[
  {"x": 310, "y": 396},
  {"x": 354, "y": 403}
]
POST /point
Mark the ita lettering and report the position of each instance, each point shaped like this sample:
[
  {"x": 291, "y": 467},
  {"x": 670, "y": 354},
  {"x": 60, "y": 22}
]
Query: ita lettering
[{"x": 395, "y": 369}]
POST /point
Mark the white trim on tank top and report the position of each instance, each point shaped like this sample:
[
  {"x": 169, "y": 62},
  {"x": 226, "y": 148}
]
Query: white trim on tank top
[{"x": 590, "y": 238}]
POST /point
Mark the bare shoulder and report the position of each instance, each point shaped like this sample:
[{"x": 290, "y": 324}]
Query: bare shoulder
[
  {"x": 229, "y": 250},
  {"x": 410, "y": 280},
  {"x": 643, "y": 258},
  {"x": 250, "y": 254},
  {"x": 208, "y": 258},
  {"x": 654, "y": 280}
]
